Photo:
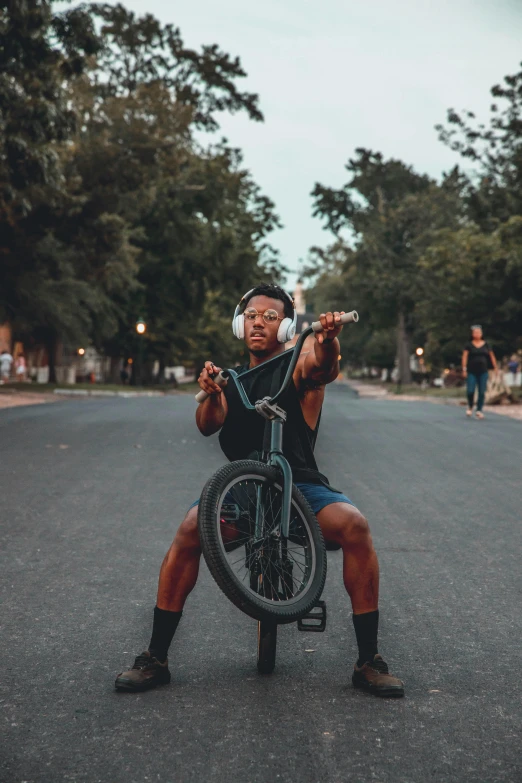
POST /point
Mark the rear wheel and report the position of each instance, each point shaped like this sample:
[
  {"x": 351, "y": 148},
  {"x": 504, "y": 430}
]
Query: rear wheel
[
  {"x": 268, "y": 577},
  {"x": 266, "y": 646}
]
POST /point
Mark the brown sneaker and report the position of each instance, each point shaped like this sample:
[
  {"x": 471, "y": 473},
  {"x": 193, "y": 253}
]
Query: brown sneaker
[
  {"x": 375, "y": 678},
  {"x": 147, "y": 672}
]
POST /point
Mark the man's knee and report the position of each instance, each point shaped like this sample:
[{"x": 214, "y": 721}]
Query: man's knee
[
  {"x": 188, "y": 535},
  {"x": 355, "y": 530}
]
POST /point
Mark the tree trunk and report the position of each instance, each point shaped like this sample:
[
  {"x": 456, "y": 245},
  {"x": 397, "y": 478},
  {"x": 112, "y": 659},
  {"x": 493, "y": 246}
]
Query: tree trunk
[
  {"x": 403, "y": 351},
  {"x": 115, "y": 369},
  {"x": 160, "y": 378},
  {"x": 51, "y": 356}
]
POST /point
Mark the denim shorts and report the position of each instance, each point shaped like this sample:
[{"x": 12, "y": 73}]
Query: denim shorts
[{"x": 317, "y": 495}]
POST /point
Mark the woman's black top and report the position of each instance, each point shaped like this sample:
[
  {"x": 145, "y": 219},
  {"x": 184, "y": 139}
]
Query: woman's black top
[
  {"x": 246, "y": 435},
  {"x": 478, "y": 358}
]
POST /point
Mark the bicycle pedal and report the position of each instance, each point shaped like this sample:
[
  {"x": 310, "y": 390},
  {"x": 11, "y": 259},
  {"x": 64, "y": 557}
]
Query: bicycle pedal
[{"x": 315, "y": 620}]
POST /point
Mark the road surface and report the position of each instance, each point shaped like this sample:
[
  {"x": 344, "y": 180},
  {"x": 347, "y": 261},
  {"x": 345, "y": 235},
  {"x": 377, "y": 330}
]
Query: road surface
[{"x": 91, "y": 493}]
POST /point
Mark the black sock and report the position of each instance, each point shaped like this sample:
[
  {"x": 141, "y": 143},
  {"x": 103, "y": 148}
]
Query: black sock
[
  {"x": 163, "y": 629},
  {"x": 366, "y": 626}
]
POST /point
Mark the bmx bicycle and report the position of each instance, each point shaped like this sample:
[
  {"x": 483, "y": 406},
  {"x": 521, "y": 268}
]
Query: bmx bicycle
[{"x": 259, "y": 537}]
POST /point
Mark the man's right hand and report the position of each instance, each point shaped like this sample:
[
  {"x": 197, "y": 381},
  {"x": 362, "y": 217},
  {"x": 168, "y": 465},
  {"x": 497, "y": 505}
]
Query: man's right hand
[{"x": 205, "y": 379}]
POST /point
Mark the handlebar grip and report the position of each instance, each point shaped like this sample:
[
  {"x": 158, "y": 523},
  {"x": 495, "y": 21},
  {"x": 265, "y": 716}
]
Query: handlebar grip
[
  {"x": 220, "y": 379},
  {"x": 347, "y": 318}
]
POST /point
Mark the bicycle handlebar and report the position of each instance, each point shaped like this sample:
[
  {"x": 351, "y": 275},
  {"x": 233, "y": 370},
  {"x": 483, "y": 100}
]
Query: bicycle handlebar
[
  {"x": 222, "y": 378},
  {"x": 346, "y": 318}
]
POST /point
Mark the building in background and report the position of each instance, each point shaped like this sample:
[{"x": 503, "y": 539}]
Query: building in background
[{"x": 304, "y": 316}]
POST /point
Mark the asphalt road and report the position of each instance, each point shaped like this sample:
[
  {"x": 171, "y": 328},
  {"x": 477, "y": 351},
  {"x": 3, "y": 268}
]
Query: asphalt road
[{"x": 91, "y": 493}]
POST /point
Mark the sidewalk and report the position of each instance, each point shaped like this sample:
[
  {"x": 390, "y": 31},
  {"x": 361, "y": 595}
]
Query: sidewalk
[
  {"x": 10, "y": 398},
  {"x": 375, "y": 392},
  {"x": 14, "y": 398}
]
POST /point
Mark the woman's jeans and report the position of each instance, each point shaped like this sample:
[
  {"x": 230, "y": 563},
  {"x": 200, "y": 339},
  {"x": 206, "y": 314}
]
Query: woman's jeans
[{"x": 474, "y": 380}]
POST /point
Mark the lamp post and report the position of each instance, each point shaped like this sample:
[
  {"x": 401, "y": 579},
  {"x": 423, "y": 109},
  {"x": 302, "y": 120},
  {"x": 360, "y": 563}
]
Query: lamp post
[
  {"x": 420, "y": 353},
  {"x": 141, "y": 328}
]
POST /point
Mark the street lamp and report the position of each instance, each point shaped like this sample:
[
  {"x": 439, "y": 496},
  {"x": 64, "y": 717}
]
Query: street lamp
[
  {"x": 141, "y": 328},
  {"x": 419, "y": 351},
  {"x": 81, "y": 351}
]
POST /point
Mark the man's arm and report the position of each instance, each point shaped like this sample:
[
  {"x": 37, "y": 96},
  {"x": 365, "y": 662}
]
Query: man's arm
[
  {"x": 321, "y": 364},
  {"x": 211, "y": 414}
]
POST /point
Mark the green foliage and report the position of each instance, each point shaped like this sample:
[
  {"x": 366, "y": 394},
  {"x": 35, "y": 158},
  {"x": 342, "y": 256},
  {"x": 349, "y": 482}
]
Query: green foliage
[
  {"x": 380, "y": 350},
  {"x": 430, "y": 259},
  {"x": 110, "y": 208},
  {"x": 140, "y": 51},
  {"x": 392, "y": 213},
  {"x": 472, "y": 277},
  {"x": 495, "y": 190}
]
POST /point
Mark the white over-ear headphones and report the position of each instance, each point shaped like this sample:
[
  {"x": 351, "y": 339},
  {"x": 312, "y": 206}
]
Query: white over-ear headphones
[{"x": 286, "y": 329}]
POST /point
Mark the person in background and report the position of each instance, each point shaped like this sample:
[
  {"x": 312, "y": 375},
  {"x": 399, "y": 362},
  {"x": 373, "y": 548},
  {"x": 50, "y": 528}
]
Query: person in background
[
  {"x": 477, "y": 358},
  {"x": 6, "y": 360},
  {"x": 513, "y": 366},
  {"x": 20, "y": 367}
]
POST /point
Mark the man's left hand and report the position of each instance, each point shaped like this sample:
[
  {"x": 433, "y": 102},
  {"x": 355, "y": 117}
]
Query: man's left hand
[{"x": 332, "y": 326}]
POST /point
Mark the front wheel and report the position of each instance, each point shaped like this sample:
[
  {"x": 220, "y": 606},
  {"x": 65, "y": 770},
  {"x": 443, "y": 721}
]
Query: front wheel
[{"x": 268, "y": 577}]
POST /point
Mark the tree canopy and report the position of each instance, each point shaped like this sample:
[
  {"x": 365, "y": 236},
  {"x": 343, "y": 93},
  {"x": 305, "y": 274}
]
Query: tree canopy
[
  {"x": 425, "y": 258},
  {"x": 110, "y": 207}
]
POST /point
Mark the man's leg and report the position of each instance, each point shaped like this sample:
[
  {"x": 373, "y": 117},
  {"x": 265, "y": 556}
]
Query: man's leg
[
  {"x": 345, "y": 525},
  {"x": 180, "y": 567},
  {"x": 178, "y": 576}
]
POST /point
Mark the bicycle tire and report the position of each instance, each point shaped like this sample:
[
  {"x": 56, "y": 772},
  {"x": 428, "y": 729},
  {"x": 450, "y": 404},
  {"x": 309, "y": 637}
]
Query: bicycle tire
[
  {"x": 215, "y": 555},
  {"x": 266, "y": 646}
]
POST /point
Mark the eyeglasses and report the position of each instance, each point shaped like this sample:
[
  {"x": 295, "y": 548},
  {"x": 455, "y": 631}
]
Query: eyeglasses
[{"x": 269, "y": 316}]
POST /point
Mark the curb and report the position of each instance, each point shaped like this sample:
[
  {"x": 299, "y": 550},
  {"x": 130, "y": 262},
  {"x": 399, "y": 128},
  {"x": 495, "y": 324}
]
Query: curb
[
  {"x": 75, "y": 392},
  {"x": 105, "y": 393}
]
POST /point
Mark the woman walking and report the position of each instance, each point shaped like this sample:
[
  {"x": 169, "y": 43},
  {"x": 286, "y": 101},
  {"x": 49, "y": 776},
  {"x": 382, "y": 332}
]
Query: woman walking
[{"x": 477, "y": 358}]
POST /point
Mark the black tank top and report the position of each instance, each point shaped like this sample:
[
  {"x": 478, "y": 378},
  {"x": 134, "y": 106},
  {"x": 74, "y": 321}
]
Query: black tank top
[{"x": 246, "y": 435}]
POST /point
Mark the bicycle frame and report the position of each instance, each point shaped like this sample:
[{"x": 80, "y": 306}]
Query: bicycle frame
[{"x": 277, "y": 417}]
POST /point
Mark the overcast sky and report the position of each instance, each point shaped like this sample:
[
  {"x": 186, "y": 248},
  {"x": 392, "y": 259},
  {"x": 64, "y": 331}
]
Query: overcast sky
[{"x": 339, "y": 74}]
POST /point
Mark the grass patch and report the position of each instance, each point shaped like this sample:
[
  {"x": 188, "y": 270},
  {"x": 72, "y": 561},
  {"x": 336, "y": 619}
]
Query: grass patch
[
  {"x": 189, "y": 388},
  {"x": 431, "y": 391},
  {"x": 41, "y": 388}
]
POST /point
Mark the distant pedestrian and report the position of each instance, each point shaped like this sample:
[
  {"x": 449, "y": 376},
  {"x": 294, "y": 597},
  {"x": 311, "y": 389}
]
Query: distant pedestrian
[
  {"x": 513, "y": 366},
  {"x": 20, "y": 367},
  {"x": 124, "y": 374},
  {"x": 6, "y": 360},
  {"x": 477, "y": 359}
]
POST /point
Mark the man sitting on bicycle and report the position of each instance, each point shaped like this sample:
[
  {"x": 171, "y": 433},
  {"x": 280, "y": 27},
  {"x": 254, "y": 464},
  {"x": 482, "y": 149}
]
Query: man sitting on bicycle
[{"x": 265, "y": 319}]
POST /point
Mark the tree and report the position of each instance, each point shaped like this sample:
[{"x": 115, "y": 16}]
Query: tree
[
  {"x": 494, "y": 192},
  {"x": 112, "y": 209},
  {"x": 472, "y": 277},
  {"x": 473, "y": 274},
  {"x": 198, "y": 219},
  {"x": 139, "y": 51},
  {"x": 40, "y": 54},
  {"x": 393, "y": 212}
]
